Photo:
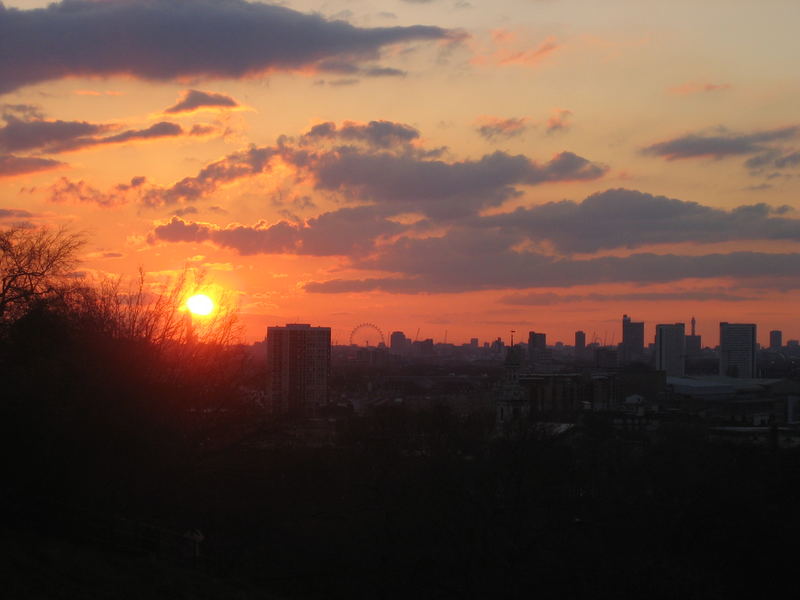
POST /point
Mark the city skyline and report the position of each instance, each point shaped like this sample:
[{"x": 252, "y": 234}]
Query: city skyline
[
  {"x": 609, "y": 338},
  {"x": 460, "y": 169}
]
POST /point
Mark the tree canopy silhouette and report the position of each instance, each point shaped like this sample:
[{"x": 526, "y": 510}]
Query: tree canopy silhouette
[{"x": 33, "y": 264}]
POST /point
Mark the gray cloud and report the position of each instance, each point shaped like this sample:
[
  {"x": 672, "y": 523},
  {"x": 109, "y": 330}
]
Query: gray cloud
[
  {"x": 186, "y": 210},
  {"x": 378, "y": 163},
  {"x": 239, "y": 165},
  {"x": 348, "y": 231},
  {"x": 720, "y": 143},
  {"x": 492, "y": 128},
  {"x": 164, "y": 129},
  {"x": 194, "y": 99},
  {"x": 15, "y": 213},
  {"x": 462, "y": 262},
  {"x": 437, "y": 188},
  {"x": 621, "y": 218},
  {"x": 53, "y": 137},
  {"x": 26, "y": 112},
  {"x": 170, "y": 39},
  {"x": 774, "y": 159},
  {"x": 65, "y": 190},
  {"x": 379, "y": 134},
  {"x": 19, "y": 165},
  {"x": 19, "y": 134}
]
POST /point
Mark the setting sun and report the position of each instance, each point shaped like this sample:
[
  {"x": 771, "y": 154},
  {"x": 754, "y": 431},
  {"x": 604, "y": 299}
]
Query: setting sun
[{"x": 200, "y": 304}]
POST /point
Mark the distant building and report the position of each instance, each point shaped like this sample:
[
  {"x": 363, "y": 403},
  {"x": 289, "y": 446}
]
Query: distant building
[
  {"x": 298, "y": 366},
  {"x": 423, "y": 348},
  {"x": 580, "y": 341},
  {"x": 537, "y": 346},
  {"x": 606, "y": 358},
  {"x": 632, "y": 340},
  {"x": 671, "y": 349},
  {"x": 398, "y": 342},
  {"x": 737, "y": 350},
  {"x": 694, "y": 344},
  {"x": 473, "y": 342},
  {"x": 775, "y": 339}
]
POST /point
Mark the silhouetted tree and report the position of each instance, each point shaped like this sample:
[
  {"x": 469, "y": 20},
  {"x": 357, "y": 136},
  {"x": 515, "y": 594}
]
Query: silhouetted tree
[{"x": 33, "y": 263}]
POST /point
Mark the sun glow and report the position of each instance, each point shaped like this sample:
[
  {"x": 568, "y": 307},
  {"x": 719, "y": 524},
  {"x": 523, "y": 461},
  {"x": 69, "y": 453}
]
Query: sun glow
[{"x": 200, "y": 304}]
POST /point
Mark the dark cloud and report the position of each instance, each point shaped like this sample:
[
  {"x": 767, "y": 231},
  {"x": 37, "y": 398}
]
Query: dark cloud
[
  {"x": 379, "y": 134},
  {"x": 628, "y": 219},
  {"x": 200, "y": 129},
  {"x": 163, "y": 129},
  {"x": 53, "y": 137},
  {"x": 239, "y": 165},
  {"x": 552, "y": 299},
  {"x": 720, "y": 143},
  {"x": 774, "y": 159},
  {"x": 19, "y": 165},
  {"x": 25, "y": 135},
  {"x": 158, "y": 130},
  {"x": 25, "y": 112},
  {"x": 65, "y": 190},
  {"x": 383, "y": 72},
  {"x": 493, "y": 128},
  {"x": 15, "y": 213},
  {"x": 379, "y": 163},
  {"x": 437, "y": 188},
  {"x": 173, "y": 39},
  {"x": 186, "y": 210},
  {"x": 348, "y": 232},
  {"x": 195, "y": 99},
  {"x": 461, "y": 261}
]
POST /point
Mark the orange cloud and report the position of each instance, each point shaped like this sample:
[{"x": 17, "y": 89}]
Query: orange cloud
[
  {"x": 507, "y": 51},
  {"x": 558, "y": 121}
]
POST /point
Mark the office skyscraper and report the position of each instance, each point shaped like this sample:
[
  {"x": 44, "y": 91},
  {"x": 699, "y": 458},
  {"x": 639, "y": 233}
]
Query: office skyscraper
[
  {"x": 537, "y": 345},
  {"x": 775, "y": 339},
  {"x": 671, "y": 349},
  {"x": 693, "y": 341},
  {"x": 580, "y": 341},
  {"x": 298, "y": 364},
  {"x": 632, "y": 339},
  {"x": 398, "y": 342},
  {"x": 737, "y": 349}
]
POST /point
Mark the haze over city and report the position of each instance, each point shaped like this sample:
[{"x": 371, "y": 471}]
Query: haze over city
[{"x": 456, "y": 168}]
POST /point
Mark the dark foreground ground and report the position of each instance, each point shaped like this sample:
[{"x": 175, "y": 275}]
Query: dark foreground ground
[
  {"x": 420, "y": 505},
  {"x": 114, "y": 447}
]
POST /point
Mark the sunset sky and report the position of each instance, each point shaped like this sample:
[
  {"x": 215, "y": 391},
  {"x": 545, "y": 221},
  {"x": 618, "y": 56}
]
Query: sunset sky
[{"x": 447, "y": 166}]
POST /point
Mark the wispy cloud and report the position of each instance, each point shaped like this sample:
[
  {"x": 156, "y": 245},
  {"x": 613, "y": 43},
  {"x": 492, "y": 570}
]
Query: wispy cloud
[
  {"x": 492, "y": 128},
  {"x": 696, "y": 87},
  {"x": 11, "y": 166},
  {"x": 720, "y": 143}
]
